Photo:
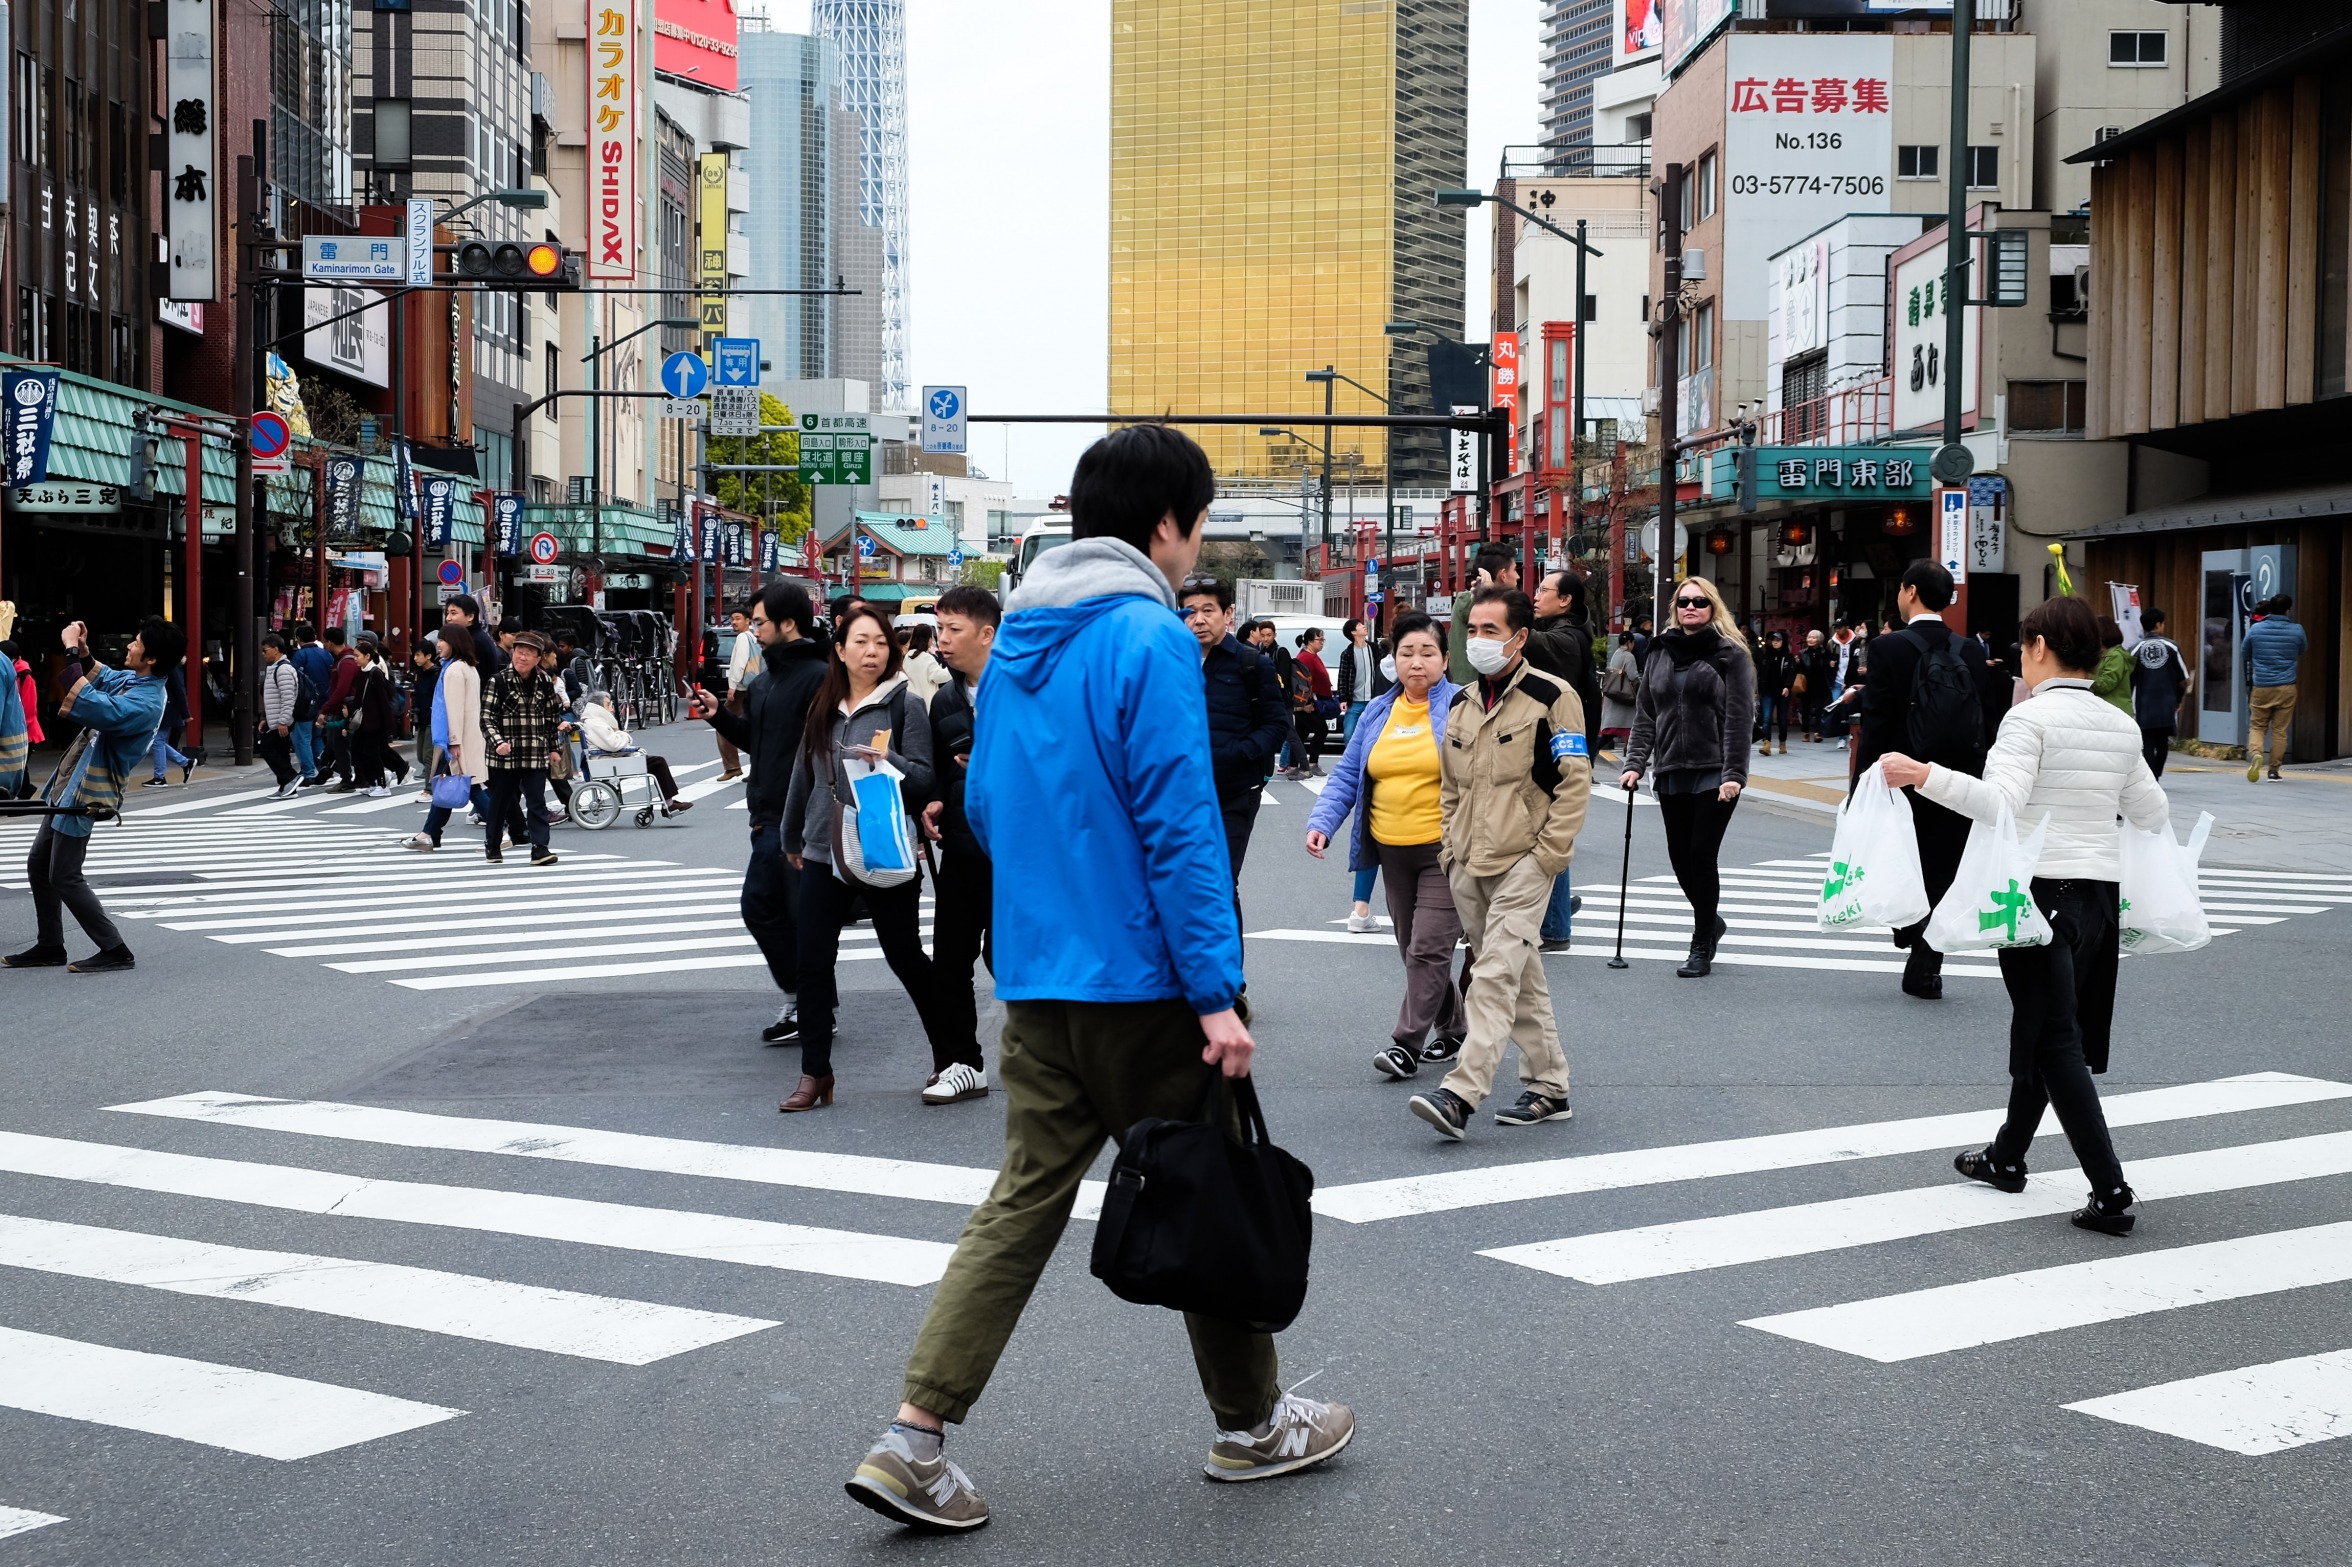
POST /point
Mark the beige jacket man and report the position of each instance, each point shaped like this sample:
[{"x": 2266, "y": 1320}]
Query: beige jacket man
[{"x": 1515, "y": 775}]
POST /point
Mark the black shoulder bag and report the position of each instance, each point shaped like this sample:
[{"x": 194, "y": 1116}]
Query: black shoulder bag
[{"x": 1197, "y": 1220}]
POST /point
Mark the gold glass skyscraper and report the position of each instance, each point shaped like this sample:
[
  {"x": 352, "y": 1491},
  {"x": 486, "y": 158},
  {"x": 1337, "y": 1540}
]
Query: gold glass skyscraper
[{"x": 1272, "y": 166}]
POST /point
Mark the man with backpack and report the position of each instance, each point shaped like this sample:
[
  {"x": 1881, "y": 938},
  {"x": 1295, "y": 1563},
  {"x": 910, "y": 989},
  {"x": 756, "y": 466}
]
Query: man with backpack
[
  {"x": 282, "y": 704},
  {"x": 1929, "y": 696}
]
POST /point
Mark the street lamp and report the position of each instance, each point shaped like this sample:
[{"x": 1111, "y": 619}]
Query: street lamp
[
  {"x": 1304, "y": 508},
  {"x": 520, "y": 200}
]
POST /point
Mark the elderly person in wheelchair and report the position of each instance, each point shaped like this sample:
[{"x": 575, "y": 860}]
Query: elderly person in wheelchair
[{"x": 612, "y": 764}]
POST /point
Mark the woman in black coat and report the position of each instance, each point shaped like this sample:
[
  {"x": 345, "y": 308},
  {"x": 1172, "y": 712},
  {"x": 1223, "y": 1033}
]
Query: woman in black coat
[
  {"x": 1776, "y": 674},
  {"x": 1691, "y": 720}
]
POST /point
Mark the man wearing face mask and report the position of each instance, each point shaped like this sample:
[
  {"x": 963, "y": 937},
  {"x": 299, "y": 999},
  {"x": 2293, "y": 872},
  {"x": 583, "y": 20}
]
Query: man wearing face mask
[{"x": 1516, "y": 771}]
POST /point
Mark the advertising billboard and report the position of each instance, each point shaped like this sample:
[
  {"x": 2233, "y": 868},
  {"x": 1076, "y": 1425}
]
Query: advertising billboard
[
  {"x": 696, "y": 39},
  {"x": 1921, "y": 305},
  {"x": 1640, "y": 29},
  {"x": 1688, "y": 24},
  {"x": 345, "y": 333},
  {"x": 616, "y": 194},
  {"x": 1807, "y": 139}
]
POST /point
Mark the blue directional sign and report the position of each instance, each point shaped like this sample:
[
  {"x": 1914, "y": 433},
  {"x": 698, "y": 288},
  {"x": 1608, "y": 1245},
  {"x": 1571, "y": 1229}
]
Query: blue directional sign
[
  {"x": 738, "y": 360},
  {"x": 684, "y": 374},
  {"x": 944, "y": 413},
  {"x": 865, "y": 546},
  {"x": 955, "y": 558}
]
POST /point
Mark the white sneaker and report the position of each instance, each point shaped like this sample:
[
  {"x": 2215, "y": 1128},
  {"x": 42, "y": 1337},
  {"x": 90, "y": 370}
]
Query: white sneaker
[
  {"x": 955, "y": 1085},
  {"x": 379, "y": 792},
  {"x": 1299, "y": 1434},
  {"x": 1361, "y": 924},
  {"x": 287, "y": 790}
]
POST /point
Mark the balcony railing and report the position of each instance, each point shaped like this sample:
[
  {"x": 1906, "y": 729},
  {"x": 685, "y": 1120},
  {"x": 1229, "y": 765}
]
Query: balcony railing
[
  {"x": 1568, "y": 161},
  {"x": 1850, "y": 416}
]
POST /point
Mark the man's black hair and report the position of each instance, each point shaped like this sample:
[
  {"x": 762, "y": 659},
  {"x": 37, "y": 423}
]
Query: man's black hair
[
  {"x": 788, "y": 601},
  {"x": 1518, "y": 608},
  {"x": 2281, "y": 604},
  {"x": 274, "y": 639},
  {"x": 1494, "y": 558},
  {"x": 974, "y": 604},
  {"x": 1214, "y": 586},
  {"x": 164, "y": 642},
  {"x": 465, "y": 601},
  {"x": 1136, "y": 475},
  {"x": 564, "y": 634},
  {"x": 304, "y": 631},
  {"x": 333, "y": 637},
  {"x": 1570, "y": 586},
  {"x": 2152, "y": 619},
  {"x": 1931, "y": 582}
]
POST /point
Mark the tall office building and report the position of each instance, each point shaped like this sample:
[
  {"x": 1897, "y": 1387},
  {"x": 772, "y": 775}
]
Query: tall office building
[
  {"x": 871, "y": 35},
  {"x": 1576, "y": 53},
  {"x": 1272, "y": 167}
]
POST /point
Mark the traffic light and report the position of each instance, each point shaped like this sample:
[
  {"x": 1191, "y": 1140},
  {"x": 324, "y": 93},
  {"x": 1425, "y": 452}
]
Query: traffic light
[{"x": 544, "y": 266}]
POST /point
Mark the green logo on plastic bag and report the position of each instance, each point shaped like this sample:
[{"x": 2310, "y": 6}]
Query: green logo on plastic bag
[
  {"x": 1842, "y": 879},
  {"x": 2008, "y": 907}
]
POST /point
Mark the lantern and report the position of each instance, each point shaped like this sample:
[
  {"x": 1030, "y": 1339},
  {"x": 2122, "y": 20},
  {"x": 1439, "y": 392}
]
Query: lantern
[
  {"x": 1719, "y": 542},
  {"x": 1795, "y": 534},
  {"x": 1897, "y": 523}
]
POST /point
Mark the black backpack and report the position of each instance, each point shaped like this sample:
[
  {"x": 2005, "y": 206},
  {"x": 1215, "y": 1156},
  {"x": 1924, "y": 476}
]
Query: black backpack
[
  {"x": 1946, "y": 722},
  {"x": 1196, "y": 1220},
  {"x": 305, "y": 703}
]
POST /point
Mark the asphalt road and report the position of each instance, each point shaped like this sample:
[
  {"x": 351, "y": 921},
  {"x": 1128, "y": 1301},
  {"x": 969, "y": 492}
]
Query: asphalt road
[{"x": 1511, "y": 1409}]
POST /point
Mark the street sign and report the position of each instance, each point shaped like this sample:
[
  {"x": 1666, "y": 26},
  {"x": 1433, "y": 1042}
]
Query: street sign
[
  {"x": 955, "y": 558},
  {"x": 944, "y": 428},
  {"x": 1952, "y": 530},
  {"x": 687, "y": 408},
  {"x": 270, "y": 436},
  {"x": 420, "y": 242},
  {"x": 836, "y": 449},
  {"x": 356, "y": 258},
  {"x": 738, "y": 360},
  {"x": 734, "y": 410},
  {"x": 866, "y": 546},
  {"x": 452, "y": 573},
  {"x": 543, "y": 549},
  {"x": 684, "y": 374}
]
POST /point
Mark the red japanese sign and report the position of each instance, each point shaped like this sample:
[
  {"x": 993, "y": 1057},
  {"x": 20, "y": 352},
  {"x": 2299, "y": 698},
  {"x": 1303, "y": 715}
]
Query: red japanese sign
[
  {"x": 1504, "y": 391},
  {"x": 1815, "y": 95},
  {"x": 696, "y": 39}
]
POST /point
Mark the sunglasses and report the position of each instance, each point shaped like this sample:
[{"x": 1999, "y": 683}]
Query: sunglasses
[{"x": 1692, "y": 604}]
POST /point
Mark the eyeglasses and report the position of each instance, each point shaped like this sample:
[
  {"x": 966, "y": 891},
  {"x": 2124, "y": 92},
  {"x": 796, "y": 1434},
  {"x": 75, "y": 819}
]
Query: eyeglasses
[{"x": 1692, "y": 604}]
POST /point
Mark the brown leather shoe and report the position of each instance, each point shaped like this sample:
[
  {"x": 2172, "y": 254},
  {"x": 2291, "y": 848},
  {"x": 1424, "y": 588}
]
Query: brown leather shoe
[{"x": 812, "y": 1092}]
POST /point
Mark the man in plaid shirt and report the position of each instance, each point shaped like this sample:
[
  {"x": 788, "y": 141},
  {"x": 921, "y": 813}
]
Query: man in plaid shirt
[{"x": 520, "y": 712}]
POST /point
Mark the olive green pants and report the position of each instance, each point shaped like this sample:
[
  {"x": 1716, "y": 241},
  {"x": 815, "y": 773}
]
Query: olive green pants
[{"x": 1074, "y": 1074}]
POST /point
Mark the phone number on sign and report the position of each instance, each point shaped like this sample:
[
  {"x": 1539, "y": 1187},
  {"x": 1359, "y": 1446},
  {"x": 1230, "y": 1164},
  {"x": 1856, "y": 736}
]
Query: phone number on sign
[{"x": 1808, "y": 185}]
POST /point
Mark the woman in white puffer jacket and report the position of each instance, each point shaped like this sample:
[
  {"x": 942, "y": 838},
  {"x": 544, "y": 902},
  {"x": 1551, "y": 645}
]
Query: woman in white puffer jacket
[{"x": 2074, "y": 758}]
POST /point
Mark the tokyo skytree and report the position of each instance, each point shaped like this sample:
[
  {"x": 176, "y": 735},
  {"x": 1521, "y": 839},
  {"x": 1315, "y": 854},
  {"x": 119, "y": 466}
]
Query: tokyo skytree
[{"x": 871, "y": 35}]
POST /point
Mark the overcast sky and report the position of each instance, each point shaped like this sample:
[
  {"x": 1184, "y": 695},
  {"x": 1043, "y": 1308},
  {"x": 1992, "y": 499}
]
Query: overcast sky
[{"x": 1008, "y": 124}]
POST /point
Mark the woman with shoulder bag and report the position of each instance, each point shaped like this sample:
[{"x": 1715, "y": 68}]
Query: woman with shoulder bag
[
  {"x": 1697, "y": 702},
  {"x": 1620, "y": 685},
  {"x": 864, "y": 712},
  {"x": 456, "y": 727},
  {"x": 2070, "y": 756},
  {"x": 1313, "y": 702},
  {"x": 370, "y": 725}
]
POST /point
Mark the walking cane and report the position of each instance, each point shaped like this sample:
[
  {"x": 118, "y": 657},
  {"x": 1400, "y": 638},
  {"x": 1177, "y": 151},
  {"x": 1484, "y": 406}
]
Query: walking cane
[{"x": 1623, "y": 874}]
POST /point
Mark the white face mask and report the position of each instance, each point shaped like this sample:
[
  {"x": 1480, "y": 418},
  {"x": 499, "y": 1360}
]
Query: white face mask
[{"x": 1486, "y": 655}]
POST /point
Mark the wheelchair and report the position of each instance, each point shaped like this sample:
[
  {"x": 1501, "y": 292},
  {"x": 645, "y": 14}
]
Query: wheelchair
[{"x": 613, "y": 784}]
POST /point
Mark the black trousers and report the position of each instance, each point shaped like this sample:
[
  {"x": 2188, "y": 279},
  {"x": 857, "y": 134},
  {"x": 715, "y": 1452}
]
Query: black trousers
[
  {"x": 278, "y": 751},
  {"x": 53, "y": 875},
  {"x": 771, "y": 888},
  {"x": 338, "y": 737},
  {"x": 1943, "y": 838},
  {"x": 1695, "y": 824},
  {"x": 2062, "y": 1008},
  {"x": 1313, "y": 731},
  {"x": 1239, "y": 816},
  {"x": 518, "y": 795},
  {"x": 897, "y": 915},
  {"x": 2156, "y": 745},
  {"x": 962, "y": 890}
]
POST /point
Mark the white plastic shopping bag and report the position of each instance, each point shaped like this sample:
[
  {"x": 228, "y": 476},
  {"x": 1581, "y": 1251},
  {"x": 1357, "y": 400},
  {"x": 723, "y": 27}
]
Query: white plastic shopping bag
[
  {"x": 1991, "y": 904},
  {"x": 2158, "y": 907},
  {"x": 1874, "y": 876},
  {"x": 873, "y": 839}
]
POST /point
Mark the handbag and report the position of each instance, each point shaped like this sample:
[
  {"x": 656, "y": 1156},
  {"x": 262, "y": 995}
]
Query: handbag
[
  {"x": 1991, "y": 904},
  {"x": 559, "y": 764},
  {"x": 1797, "y": 685},
  {"x": 1327, "y": 707},
  {"x": 873, "y": 840},
  {"x": 2159, "y": 907},
  {"x": 1198, "y": 1220},
  {"x": 453, "y": 791},
  {"x": 1874, "y": 876}
]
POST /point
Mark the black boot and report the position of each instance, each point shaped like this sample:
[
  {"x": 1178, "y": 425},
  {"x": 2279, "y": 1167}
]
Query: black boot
[
  {"x": 1923, "y": 973},
  {"x": 37, "y": 955},
  {"x": 1701, "y": 961},
  {"x": 2105, "y": 1212}
]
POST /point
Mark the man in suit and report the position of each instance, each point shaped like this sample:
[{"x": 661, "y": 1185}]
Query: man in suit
[{"x": 1957, "y": 737}]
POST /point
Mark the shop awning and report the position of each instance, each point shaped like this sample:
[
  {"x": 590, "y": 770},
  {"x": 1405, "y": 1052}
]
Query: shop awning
[{"x": 2229, "y": 511}]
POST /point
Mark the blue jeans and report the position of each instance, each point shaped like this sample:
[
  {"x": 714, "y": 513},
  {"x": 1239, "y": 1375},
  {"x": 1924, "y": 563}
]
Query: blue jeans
[
  {"x": 305, "y": 758},
  {"x": 1355, "y": 711},
  {"x": 163, "y": 753},
  {"x": 1556, "y": 923},
  {"x": 1364, "y": 881}
]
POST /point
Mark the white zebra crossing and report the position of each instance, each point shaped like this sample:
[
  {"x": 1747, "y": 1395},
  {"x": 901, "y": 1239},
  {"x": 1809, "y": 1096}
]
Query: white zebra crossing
[
  {"x": 23, "y": 1520},
  {"x": 2252, "y": 1410},
  {"x": 363, "y": 904}
]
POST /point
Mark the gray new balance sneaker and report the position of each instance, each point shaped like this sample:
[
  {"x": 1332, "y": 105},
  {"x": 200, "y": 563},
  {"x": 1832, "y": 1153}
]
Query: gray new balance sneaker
[
  {"x": 930, "y": 1495},
  {"x": 1298, "y": 1435}
]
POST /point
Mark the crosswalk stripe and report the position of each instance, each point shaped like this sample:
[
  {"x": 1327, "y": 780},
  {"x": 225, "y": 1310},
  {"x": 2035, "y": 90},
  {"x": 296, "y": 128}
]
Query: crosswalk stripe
[
  {"x": 255, "y": 1412},
  {"x": 443, "y": 960},
  {"x": 2252, "y": 1410},
  {"x": 400, "y": 798},
  {"x": 23, "y": 1520},
  {"x": 182, "y": 807},
  {"x": 549, "y": 976},
  {"x": 1805, "y": 1229},
  {"x": 660, "y": 908},
  {"x": 441, "y": 940},
  {"x": 376, "y": 873},
  {"x": 408, "y": 905},
  {"x": 456, "y": 880},
  {"x": 669, "y": 1232},
  {"x": 1366, "y": 1201},
  {"x": 704, "y": 788},
  {"x": 1674, "y": 953},
  {"x": 1891, "y": 1328},
  {"x": 608, "y": 904},
  {"x": 458, "y": 1305},
  {"x": 300, "y": 802},
  {"x": 961, "y": 1186}
]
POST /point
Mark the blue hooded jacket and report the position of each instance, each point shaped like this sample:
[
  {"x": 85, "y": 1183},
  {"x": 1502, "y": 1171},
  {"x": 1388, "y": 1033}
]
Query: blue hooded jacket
[
  {"x": 2274, "y": 647},
  {"x": 1090, "y": 790},
  {"x": 1344, "y": 791}
]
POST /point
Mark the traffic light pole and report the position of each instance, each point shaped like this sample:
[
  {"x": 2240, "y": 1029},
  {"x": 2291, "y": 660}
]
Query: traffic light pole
[{"x": 1668, "y": 328}]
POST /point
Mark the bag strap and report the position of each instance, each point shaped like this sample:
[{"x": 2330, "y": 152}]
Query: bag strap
[{"x": 1244, "y": 1094}]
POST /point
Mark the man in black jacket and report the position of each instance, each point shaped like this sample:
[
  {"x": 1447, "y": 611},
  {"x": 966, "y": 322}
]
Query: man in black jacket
[
  {"x": 964, "y": 884},
  {"x": 1893, "y": 696},
  {"x": 1560, "y": 644},
  {"x": 767, "y": 731},
  {"x": 1249, "y": 720}
]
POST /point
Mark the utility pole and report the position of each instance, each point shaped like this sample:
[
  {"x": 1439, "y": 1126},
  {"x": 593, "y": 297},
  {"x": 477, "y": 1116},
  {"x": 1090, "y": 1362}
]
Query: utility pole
[
  {"x": 1668, "y": 329},
  {"x": 1330, "y": 384},
  {"x": 1956, "y": 289},
  {"x": 244, "y": 645},
  {"x": 1576, "y": 405}
]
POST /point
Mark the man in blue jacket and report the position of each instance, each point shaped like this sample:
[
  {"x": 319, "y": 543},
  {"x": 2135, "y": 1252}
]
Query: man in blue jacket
[
  {"x": 1118, "y": 957},
  {"x": 2274, "y": 653}
]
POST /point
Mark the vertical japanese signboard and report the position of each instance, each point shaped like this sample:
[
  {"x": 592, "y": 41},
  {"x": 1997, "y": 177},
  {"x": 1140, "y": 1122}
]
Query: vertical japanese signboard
[
  {"x": 1920, "y": 303},
  {"x": 615, "y": 197},
  {"x": 188, "y": 175},
  {"x": 29, "y": 398},
  {"x": 1503, "y": 392},
  {"x": 713, "y": 247},
  {"x": 1463, "y": 460}
]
